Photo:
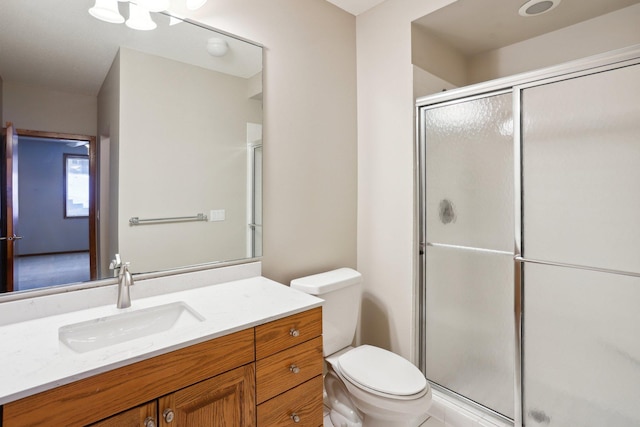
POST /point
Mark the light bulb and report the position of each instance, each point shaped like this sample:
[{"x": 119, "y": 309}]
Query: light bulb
[
  {"x": 139, "y": 18},
  {"x": 107, "y": 10}
]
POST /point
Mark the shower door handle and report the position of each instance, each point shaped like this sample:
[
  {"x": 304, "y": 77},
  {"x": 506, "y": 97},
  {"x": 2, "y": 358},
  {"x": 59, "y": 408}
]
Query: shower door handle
[{"x": 421, "y": 248}]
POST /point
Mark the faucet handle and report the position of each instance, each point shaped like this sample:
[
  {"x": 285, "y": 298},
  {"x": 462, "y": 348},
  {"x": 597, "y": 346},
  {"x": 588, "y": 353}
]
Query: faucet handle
[
  {"x": 115, "y": 263},
  {"x": 126, "y": 274}
]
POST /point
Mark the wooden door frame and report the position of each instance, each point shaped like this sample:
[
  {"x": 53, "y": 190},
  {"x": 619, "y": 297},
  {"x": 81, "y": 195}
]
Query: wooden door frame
[
  {"x": 93, "y": 187},
  {"x": 8, "y": 226}
]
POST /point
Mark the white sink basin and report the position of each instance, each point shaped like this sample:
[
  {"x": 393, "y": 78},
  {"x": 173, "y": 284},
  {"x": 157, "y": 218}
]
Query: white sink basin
[{"x": 106, "y": 331}]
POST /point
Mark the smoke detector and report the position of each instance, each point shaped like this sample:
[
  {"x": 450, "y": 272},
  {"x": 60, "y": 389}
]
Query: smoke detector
[{"x": 217, "y": 46}]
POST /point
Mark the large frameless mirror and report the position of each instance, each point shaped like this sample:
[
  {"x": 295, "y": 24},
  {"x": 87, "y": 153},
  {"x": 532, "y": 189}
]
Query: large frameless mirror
[{"x": 167, "y": 121}]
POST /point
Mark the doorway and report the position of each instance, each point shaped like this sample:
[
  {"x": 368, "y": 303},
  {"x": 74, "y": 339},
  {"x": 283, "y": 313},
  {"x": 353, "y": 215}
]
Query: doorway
[{"x": 53, "y": 209}]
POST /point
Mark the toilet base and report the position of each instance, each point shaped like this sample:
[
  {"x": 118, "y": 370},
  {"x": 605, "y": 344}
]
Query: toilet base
[
  {"x": 369, "y": 421},
  {"x": 349, "y": 409}
]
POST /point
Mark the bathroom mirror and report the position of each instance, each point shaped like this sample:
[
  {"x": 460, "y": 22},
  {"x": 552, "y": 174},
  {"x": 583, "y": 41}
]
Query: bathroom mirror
[{"x": 177, "y": 150}]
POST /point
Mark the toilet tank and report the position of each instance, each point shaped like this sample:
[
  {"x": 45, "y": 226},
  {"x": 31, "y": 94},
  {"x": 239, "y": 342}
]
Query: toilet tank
[{"x": 341, "y": 291}]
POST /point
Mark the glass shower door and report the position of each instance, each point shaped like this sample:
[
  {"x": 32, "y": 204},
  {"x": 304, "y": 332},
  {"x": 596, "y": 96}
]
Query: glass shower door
[
  {"x": 469, "y": 268},
  {"x": 581, "y": 234}
]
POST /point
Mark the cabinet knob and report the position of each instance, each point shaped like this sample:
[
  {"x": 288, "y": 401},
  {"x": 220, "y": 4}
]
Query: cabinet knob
[
  {"x": 168, "y": 415},
  {"x": 295, "y": 418},
  {"x": 294, "y": 369},
  {"x": 294, "y": 332},
  {"x": 149, "y": 422}
]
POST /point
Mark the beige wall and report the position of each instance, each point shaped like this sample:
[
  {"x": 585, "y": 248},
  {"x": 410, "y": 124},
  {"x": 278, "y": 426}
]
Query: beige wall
[
  {"x": 450, "y": 65},
  {"x": 56, "y": 112},
  {"x": 108, "y": 138},
  {"x": 385, "y": 171},
  {"x": 199, "y": 161},
  {"x": 309, "y": 129}
]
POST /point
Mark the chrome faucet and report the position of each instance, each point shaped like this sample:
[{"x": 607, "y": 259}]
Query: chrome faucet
[{"x": 125, "y": 281}]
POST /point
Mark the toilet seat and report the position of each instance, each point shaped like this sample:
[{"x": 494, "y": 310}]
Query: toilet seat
[{"x": 382, "y": 373}]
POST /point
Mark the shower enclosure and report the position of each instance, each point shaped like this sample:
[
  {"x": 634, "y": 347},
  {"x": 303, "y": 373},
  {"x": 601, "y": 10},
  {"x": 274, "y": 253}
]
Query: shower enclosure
[{"x": 529, "y": 217}]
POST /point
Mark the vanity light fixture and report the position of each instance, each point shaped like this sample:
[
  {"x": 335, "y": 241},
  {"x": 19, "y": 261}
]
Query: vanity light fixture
[
  {"x": 217, "y": 46},
  {"x": 537, "y": 7},
  {"x": 107, "y": 10},
  {"x": 139, "y": 17}
]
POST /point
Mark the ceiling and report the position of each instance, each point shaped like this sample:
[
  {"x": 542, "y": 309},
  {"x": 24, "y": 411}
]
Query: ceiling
[
  {"x": 66, "y": 53},
  {"x": 475, "y": 26},
  {"x": 58, "y": 45},
  {"x": 356, "y": 7}
]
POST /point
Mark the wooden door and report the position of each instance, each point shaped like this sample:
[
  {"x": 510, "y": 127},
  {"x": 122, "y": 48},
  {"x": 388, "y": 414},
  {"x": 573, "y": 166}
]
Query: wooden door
[
  {"x": 9, "y": 206},
  {"x": 225, "y": 400},
  {"x": 140, "y": 416}
]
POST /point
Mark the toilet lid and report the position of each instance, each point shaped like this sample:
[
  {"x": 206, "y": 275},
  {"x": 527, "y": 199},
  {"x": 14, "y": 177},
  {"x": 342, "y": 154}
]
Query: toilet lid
[{"x": 382, "y": 371}]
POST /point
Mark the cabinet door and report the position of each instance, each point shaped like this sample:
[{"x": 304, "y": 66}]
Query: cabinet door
[
  {"x": 140, "y": 416},
  {"x": 225, "y": 400}
]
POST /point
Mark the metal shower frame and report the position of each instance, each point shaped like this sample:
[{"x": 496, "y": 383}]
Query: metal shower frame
[{"x": 515, "y": 85}]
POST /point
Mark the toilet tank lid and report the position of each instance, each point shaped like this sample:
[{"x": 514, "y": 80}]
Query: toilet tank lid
[{"x": 321, "y": 283}]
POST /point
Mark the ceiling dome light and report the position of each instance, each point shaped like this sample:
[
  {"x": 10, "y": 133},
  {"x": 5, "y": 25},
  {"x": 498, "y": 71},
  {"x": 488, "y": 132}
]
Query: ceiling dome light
[
  {"x": 154, "y": 5},
  {"x": 107, "y": 10},
  {"x": 217, "y": 46},
  {"x": 139, "y": 18},
  {"x": 195, "y": 4},
  {"x": 537, "y": 7}
]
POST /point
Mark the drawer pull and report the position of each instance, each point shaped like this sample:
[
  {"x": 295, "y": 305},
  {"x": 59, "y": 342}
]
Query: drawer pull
[
  {"x": 149, "y": 422},
  {"x": 295, "y": 418},
  {"x": 294, "y": 332},
  {"x": 168, "y": 415},
  {"x": 294, "y": 369}
]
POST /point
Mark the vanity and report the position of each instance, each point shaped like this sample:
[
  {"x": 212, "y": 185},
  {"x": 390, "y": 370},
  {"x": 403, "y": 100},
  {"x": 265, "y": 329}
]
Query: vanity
[{"x": 244, "y": 352}]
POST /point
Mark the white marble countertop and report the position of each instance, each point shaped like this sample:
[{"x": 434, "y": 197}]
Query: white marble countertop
[{"x": 34, "y": 360}]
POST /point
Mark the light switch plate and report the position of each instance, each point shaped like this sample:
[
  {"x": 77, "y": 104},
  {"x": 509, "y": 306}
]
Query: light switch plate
[{"x": 217, "y": 215}]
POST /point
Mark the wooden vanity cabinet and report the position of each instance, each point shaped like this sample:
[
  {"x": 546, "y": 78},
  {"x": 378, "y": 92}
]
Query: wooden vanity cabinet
[
  {"x": 289, "y": 371},
  {"x": 276, "y": 366},
  {"x": 224, "y": 400},
  {"x": 143, "y": 415},
  {"x": 99, "y": 397}
]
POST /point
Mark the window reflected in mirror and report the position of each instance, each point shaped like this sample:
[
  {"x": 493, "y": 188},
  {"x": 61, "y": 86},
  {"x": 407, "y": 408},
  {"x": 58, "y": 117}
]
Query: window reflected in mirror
[{"x": 76, "y": 186}]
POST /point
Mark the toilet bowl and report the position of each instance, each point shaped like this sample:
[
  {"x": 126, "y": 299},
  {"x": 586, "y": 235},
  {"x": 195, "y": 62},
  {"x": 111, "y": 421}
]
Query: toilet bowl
[{"x": 365, "y": 385}]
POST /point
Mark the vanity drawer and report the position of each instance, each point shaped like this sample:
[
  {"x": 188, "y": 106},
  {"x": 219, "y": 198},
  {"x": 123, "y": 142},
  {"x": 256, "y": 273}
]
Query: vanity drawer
[
  {"x": 287, "y": 369},
  {"x": 303, "y": 403},
  {"x": 281, "y": 334}
]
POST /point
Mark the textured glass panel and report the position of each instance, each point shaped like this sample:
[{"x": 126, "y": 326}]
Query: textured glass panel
[
  {"x": 469, "y": 173},
  {"x": 469, "y": 325},
  {"x": 581, "y": 348},
  {"x": 581, "y": 170}
]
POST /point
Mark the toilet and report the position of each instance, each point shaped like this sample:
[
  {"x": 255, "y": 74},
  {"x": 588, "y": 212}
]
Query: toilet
[{"x": 365, "y": 385}]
